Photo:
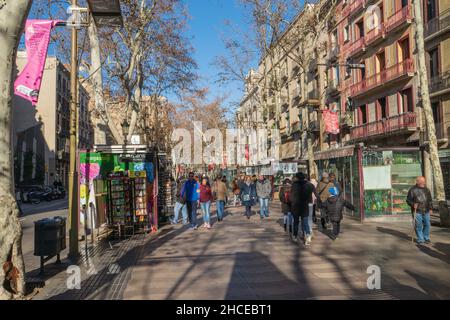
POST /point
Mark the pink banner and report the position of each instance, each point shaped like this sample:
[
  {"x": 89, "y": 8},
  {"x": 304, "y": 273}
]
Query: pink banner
[
  {"x": 37, "y": 39},
  {"x": 331, "y": 121}
]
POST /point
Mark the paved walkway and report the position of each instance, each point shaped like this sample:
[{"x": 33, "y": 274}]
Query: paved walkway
[{"x": 253, "y": 259}]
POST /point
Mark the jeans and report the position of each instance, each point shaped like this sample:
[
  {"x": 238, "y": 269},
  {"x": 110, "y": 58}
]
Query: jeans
[
  {"x": 310, "y": 217},
  {"x": 305, "y": 226},
  {"x": 264, "y": 207},
  {"x": 288, "y": 220},
  {"x": 183, "y": 208},
  {"x": 336, "y": 228},
  {"x": 192, "y": 212},
  {"x": 205, "y": 208},
  {"x": 423, "y": 227},
  {"x": 248, "y": 211},
  {"x": 220, "y": 209}
]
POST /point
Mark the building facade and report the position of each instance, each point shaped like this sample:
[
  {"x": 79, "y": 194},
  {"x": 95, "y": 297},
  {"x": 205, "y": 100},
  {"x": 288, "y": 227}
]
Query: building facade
[
  {"x": 41, "y": 133},
  {"x": 354, "y": 107}
]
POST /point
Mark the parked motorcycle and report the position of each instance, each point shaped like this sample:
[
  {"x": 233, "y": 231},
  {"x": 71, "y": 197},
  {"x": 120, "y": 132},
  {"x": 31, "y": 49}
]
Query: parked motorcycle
[{"x": 41, "y": 194}]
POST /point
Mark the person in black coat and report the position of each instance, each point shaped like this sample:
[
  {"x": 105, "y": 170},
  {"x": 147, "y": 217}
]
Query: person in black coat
[
  {"x": 334, "y": 207},
  {"x": 285, "y": 192},
  {"x": 301, "y": 196},
  {"x": 248, "y": 195}
]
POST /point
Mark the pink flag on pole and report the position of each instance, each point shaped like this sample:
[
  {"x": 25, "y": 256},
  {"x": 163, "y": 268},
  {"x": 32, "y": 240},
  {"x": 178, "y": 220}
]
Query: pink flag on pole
[
  {"x": 37, "y": 39},
  {"x": 331, "y": 121}
]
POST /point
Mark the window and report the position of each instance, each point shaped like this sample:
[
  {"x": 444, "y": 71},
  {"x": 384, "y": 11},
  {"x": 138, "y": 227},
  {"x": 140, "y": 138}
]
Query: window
[
  {"x": 346, "y": 33},
  {"x": 403, "y": 50},
  {"x": 334, "y": 39},
  {"x": 382, "y": 108},
  {"x": 406, "y": 101},
  {"x": 404, "y": 3},
  {"x": 434, "y": 62},
  {"x": 380, "y": 62},
  {"x": 362, "y": 115},
  {"x": 431, "y": 10},
  {"x": 359, "y": 29}
]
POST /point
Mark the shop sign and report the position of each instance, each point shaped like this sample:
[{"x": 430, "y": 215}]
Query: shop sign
[
  {"x": 377, "y": 178},
  {"x": 285, "y": 168},
  {"x": 135, "y": 157}
]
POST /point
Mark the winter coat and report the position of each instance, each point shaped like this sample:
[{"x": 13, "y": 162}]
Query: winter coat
[
  {"x": 323, "y": 190},
  {"x": 264, "y": 189},
  {"x": 285, "y": 190},
  {"x": 205, "y": 194},
  {"x": 422, "y": 197},
  {"x": 220, "y": 190},
  {"x": 248, "y": 189},
  {"x": 301, "y": 197},
  {"x": 334, "y": 207},
  {"x": 191, "y": 190}
]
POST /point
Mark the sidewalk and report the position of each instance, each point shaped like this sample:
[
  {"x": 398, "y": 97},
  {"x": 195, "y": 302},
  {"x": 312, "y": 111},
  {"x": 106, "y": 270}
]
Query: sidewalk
[{"x": 253, "y": 259}]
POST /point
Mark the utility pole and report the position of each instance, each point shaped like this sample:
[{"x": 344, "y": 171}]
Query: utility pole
[
  {"x": 73, "y": 174},
  {"x": 429, "y": 119}
]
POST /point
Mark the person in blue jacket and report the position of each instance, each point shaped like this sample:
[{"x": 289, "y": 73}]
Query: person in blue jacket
[
  {"x": 248, "y": 195},
  {"x": 191, "y": 193}
]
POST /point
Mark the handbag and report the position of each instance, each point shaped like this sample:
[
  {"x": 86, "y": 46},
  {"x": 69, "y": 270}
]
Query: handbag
[{"x": 245, "y": 197}]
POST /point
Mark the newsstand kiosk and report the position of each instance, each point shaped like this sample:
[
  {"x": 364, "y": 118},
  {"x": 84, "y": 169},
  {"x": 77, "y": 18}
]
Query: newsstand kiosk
[{"x": 119, "y": 186}]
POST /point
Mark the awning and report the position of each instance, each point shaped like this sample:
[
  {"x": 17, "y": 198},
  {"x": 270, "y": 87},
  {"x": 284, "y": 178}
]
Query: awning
[{"x": 335, "y": 153}]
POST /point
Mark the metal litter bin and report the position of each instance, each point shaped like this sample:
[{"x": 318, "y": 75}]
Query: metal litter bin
[{"x": 49, "y": 239}]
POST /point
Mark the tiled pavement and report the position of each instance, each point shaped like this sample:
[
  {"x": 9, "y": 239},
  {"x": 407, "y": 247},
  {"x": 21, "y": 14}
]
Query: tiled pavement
[{"x": 253, "y": 259}]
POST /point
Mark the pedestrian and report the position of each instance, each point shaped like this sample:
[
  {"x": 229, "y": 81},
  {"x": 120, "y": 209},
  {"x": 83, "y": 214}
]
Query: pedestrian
[
  {"x": 421, "y": 203},
  {"x": 334, "y": 206},
  {"x": 191, "y": 192},
  {"x": 236, "y": 192},
  {"x": 206, "y": 198},
  {"x": 264, "y": 193},
  {"x": 323, "y": 193},
  {"x": 248, "y": 195},
  {"x": 220, "y": 192},
  {"x": 314, "y": 182},
  {"x": 180, "y": 204},
  {"x": 300, "y": 197},
  {"x": 285, "y": 192}
]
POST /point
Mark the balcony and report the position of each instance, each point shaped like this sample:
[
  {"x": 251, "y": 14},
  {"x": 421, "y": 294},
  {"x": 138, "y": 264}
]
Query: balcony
[
  {"x": 402, "y": 16},
  {"x": 438, "y": 25},
  {"x": 333, "y": 54},
  {"x": 398, "y": 71},
  {"x": 404, "y": 122},
  {"x": 356, "y": 47},
  {"x": 440, "y": 85},
  {"x": 346, "y": 120},
  {"x": 353, "y": 7},
  {"x": 375, "y": 34}
]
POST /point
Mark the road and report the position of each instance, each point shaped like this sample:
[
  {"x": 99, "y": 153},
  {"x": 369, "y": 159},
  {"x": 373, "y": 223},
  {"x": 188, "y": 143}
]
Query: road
[{"x": 34, "y": 213}]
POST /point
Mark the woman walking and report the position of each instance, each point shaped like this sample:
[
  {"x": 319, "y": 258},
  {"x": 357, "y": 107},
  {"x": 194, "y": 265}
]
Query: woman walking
[
  {"x": 285, "y": 192},
  {"x": 248, "y": 195},
  {"x": 236, "y": 191},
  {"x": 205, "y": 202}
]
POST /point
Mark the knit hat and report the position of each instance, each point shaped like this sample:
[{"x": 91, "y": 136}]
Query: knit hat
[{"x": 334, "y": 191}]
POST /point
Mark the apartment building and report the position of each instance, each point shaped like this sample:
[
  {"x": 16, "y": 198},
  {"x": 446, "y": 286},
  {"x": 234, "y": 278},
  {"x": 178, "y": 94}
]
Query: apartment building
[
  {"x": 437, "y": 44},
  {"x": 41, "y": 133}
]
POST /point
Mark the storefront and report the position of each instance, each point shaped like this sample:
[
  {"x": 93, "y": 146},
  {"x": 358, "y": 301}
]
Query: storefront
[
  {"x": 444, "y": 156},
  {"x": 119, "y": 187},
  {"x": 376, "y": 181}
]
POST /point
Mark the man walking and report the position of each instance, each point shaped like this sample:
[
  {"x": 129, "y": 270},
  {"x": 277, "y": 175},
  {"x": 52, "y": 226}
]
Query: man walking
[
  {"x": 220, "y": 192},
  {"x": 421, "y": 203},
  {"x": 323, "y": 194},
  {"x": 264, "y": 193},
  {"x": 191, "y": 192},
  {"x": 301, "y": 196},
  {"x": 180, "y": 204}
]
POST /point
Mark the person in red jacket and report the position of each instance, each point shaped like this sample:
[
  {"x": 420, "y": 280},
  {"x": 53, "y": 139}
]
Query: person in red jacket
[{"x": 205, "y": 202}]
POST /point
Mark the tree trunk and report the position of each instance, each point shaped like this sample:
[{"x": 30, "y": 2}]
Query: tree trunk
[
  {"x": 97, "y": 83},
  {"x": 429, "y": 119},
  {"x": 12, "y": 270}
]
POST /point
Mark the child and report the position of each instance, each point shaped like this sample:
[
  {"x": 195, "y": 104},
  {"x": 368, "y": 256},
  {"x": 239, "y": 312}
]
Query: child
[{"x": 333, "y": 207}]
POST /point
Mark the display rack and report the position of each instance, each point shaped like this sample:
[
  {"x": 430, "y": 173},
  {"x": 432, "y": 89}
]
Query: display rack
[
  {"x": 120, "y": 205},
  {"x": 141, "y": 213}
]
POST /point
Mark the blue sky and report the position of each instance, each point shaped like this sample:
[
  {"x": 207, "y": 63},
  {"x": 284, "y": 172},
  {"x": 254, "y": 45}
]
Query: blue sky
[{"x": 206, "y": 27}]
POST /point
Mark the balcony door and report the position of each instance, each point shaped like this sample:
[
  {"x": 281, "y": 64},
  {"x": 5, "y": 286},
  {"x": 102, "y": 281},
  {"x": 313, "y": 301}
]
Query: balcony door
[
  {"x": 404, "y": 52},
  {"x": 406, "y": 101},
  {"x": 431, "y": 10},
  {"x": 434, "y": 62}
]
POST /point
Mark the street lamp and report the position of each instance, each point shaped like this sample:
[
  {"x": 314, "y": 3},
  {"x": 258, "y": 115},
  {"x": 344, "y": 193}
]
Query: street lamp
[
  {"x": 104, "y": 13},
  {"x": 125, "y": 130}
]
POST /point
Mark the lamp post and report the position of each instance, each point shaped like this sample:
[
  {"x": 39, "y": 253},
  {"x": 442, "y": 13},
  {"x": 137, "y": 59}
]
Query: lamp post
[
  {"x": 125, "y": 130},
  {"x": 104, "y": 13}
]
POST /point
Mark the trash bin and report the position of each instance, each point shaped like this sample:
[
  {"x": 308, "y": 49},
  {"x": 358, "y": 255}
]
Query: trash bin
[{"x": 49, "y": 238}]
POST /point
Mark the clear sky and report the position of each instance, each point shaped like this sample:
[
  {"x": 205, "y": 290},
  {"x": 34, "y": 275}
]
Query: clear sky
[{"x": 206, "y": 27}]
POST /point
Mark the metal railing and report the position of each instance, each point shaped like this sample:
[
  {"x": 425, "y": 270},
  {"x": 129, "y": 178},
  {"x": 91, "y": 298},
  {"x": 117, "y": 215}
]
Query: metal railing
[
  {"x": 440, "y": 82},
  {"x": 382, "y": 77},
  {"x": 374, "y": 34},
  {"x": 352, "y": 7},
  {"x": 439, "y": 23},
  {"x": 393, "y": 124},
  {"x": 398, "y": 18}
]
